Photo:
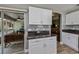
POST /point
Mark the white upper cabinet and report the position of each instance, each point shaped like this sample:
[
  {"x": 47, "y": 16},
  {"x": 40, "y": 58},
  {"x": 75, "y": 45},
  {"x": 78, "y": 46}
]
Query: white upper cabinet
[
  {"x": 47, "y": 17},
  {"x": 76, "y": 17},
  {"x": 39, "y": 16},
  {"x": 72, "y": 18},
  {"x": 68, "y": 21},
  {"x": 34, "y": 15}
]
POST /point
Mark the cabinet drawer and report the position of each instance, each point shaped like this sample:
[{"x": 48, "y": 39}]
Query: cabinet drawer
[
  {"x": 50, "y": 38},
  {"x": 35, "y": 40}
]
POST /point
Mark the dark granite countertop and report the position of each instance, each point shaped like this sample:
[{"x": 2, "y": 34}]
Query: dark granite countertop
[
  {"x": 71, "y": 31},
  {"x": 40, "y": 36}
]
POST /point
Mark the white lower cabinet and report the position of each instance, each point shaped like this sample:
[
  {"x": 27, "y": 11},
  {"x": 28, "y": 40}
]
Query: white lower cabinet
[
  {"x": 74, "y": 41},
  {"x": 35, "y": 46},
  {"x": 70, "y": 40},
  {"x": 43, "y": 46}
]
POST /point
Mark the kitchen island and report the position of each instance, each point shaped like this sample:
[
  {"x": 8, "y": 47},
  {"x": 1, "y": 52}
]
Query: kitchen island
[{"x": 44, "y": 44}]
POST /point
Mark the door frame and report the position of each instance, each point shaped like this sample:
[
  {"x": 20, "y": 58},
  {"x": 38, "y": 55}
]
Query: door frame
[
  {"x": 2, "y": 32},
  {"x": 2, "y": 27}
]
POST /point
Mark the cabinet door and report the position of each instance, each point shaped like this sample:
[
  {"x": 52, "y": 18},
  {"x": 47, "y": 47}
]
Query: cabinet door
[
  {"x": 76, "y": 17},
  {"x": 63, "y": 37},
  {"x": 74, "y": 41},
  {"x": 34, "y": 15},
  {"x": 66, "y": 38},
  {"x": 36, "y": 46},
  {"x": 68, "y": 20},
  {"x": 72, "y": 18},
  {"x": 50, "y": 45},
  {"x": 46, "y": 17},
  {"x": 70, "y": 40}
]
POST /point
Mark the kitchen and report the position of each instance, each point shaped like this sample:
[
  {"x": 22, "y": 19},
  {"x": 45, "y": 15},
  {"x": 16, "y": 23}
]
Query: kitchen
[
  {"x": 38, "y": 38},
  {"x": 70, "y": 36}
]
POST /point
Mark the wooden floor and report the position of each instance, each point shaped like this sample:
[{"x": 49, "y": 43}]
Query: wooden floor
[
  {"x": 63, "y": 49},
  {"x": 18, "y": 49}
]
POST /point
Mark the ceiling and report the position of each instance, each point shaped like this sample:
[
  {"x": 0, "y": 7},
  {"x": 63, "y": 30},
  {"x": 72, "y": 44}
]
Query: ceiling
[{"x": 55, "y": 7}]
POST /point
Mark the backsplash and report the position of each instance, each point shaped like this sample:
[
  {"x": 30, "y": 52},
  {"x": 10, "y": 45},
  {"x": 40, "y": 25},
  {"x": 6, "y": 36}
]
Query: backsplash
[
  {"x": 75, "y": 27},
  {"x": 39, "y": 28}
]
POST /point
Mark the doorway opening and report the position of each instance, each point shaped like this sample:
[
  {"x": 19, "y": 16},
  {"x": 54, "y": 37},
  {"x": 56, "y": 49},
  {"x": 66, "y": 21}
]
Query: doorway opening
[
  {"x": 55, "y": 28},
  {"x": 12, "y": 32}
]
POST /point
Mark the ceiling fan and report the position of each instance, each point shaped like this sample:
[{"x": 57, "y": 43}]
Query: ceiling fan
[{"x": 19, "y": 18}]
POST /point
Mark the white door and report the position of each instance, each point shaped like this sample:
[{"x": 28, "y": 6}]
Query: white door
[{"x": 34, "y": 15}]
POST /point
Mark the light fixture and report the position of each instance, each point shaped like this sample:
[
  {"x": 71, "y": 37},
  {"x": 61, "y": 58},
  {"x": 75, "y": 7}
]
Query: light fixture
[
  {"x": 18, "y": 18},
  {"x": 4, "y": 19}
]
